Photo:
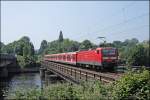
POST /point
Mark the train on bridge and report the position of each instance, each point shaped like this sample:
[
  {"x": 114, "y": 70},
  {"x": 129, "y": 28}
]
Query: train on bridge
[{"x": 99, "y": 58}]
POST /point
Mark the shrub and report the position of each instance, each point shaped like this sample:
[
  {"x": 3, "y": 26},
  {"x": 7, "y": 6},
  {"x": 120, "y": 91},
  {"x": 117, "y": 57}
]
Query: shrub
[
  {"x": 133, "y": 86},
  {"x": 25, "y": 94}
]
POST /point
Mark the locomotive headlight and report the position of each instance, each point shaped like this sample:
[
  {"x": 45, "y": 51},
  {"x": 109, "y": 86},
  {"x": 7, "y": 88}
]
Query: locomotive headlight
[{"x": 105, "y": 57}]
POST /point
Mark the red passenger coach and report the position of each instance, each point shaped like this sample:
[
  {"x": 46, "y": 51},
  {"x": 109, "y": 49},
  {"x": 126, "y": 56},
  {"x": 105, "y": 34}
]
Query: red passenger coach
[{"x": 69, "y": 58}]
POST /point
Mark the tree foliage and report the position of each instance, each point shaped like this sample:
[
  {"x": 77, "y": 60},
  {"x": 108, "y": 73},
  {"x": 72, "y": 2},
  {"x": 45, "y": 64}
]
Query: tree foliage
[
  {"x": 86, "y": 44},
  {"x": 133, "y": 52},
  {"x": 132, "y": 86},
  {"x": 43, "y": 46},
  {"x": 25, "y": 39},
  {"x": 137, "y": 55},
  {"x": 1, "y": 46},
  {"x": 60, "y": 36},
  {"x": 66, "y": 46},
  {"x": 23, "y": 47}
]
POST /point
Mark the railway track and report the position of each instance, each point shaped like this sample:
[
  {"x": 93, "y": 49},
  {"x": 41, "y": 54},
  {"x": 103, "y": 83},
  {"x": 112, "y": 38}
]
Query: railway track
[{"x": 78, "y": 74}]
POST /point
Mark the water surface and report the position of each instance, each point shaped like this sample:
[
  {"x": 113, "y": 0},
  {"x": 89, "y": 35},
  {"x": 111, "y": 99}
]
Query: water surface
[{"x": 22, "y": 81}]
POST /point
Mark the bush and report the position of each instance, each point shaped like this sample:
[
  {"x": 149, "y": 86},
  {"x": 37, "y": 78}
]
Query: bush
[
  {"x": 133, "y": 86},
  {"x": 66, "y": 91},
  {"x": 21, "y": 61},
  {"x": 27, "y": 61},
  {"x": 60, "y": 91},
  {"x": 25, "y": 94}
]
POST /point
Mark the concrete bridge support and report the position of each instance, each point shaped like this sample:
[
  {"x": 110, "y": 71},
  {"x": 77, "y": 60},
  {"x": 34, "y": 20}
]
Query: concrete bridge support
[
  {"x": 47, "y": 76},
  {"x": 3, "y": 72},
  {"x": 42, "y": 72},
  {"x": 7, "y": 64}
]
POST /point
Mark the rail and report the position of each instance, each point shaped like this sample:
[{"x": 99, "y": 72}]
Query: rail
[{"x": 76, "y": 73}]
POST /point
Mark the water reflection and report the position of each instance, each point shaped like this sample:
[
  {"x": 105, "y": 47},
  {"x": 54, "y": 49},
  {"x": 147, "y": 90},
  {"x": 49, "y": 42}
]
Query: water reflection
[
  {"x": 24, "y": 81},
  {"x": 3, "y": 87}
]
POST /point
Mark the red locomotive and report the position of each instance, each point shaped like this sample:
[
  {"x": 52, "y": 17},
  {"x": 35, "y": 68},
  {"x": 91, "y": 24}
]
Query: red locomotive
[{"x": 100, "y": 58}]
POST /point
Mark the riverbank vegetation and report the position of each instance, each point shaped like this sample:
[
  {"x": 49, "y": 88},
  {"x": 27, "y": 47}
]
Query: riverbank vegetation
[
  {"x": 132, "y": 85},
  {"x": 24, "y": 51}
]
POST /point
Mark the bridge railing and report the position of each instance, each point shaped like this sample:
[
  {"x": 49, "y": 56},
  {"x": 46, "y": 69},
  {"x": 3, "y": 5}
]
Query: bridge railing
[
  {"x": 7, "y": 56},
  {"x": 77, "y": 74}
]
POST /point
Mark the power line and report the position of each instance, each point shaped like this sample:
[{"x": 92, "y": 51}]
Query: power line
[
  {"x": 116, "y": 13},
  {"x": 121, "y": 32},
  {"x": 118, "y": 32},
  {"x": 120, "y": 11},
  {"x": 129, "y": 20},
  {"x": 124, "y": 9}
]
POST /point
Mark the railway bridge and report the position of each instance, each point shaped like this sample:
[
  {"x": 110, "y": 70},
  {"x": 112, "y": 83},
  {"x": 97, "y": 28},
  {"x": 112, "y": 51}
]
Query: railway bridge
[
  {"x": 74, "y": 74},
  {"x": 8, "y": 63}
]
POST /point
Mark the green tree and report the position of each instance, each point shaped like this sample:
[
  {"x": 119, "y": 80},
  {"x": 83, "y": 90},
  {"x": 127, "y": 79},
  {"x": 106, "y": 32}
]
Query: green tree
[
  {"x": 25, "y": 39},
  {"x": 31, "y": 49},
  {"x": 61, "y": 36},
  {"x": 86, "y": 44},
  {"x": 117, "y": 44},
  {"x": 1, "y": 47},
  {"x": 136, "y": 55},
  {"x": 60, "y": 42},
  {"x": 74, "y": 46},
  {"x": 146, "y": 51},
  {"x": 19, "y": 49},
  {"x": 134, "y": 41},
  {"x": 25, "y": 51},
  {"x": 106, "y": 45},
  {"x": 43, "y": 46},
  {"x": 52, "y": 47},
  {"x": 131, "y": 42}
]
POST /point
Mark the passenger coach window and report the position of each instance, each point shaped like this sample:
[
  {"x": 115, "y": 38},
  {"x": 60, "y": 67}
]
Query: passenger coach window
[
  {"x": 68, "y": 57},
  {"x": 64, "y": 57},
  {"x": 73, "y": 57}
]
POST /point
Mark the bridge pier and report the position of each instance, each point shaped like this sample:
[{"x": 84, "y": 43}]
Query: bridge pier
[
  {"x": 49, "y": 77},
  {"x": 7, "y": 62},
  {"x": 42, "y": 72},
  {"x": 4, "y": 72}
]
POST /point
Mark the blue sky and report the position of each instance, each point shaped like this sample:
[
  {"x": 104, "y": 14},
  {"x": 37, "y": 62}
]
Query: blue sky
[{"x": 78, "y": 20}]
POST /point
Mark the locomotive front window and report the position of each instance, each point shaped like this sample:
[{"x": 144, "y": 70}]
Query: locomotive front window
[
  {"x": 107, "y": 52},
  {"x": 97, "y": 51}
]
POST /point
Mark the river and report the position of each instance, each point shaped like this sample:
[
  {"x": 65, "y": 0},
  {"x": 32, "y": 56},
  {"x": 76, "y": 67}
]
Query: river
[{"x": 21, "y": 81}]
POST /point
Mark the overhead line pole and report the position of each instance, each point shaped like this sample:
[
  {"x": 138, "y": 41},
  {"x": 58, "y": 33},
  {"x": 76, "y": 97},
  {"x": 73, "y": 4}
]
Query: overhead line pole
[{"x": 102, "y": 39}]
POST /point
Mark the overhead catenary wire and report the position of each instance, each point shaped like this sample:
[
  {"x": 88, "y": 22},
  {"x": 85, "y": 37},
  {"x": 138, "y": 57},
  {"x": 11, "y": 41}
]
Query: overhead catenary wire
[
  {"x": 118, "y": 24},
  {"x": 123, "y": 32},
  {"x": 114, "y": 14},
  {"x": 123, "y": 23}
]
